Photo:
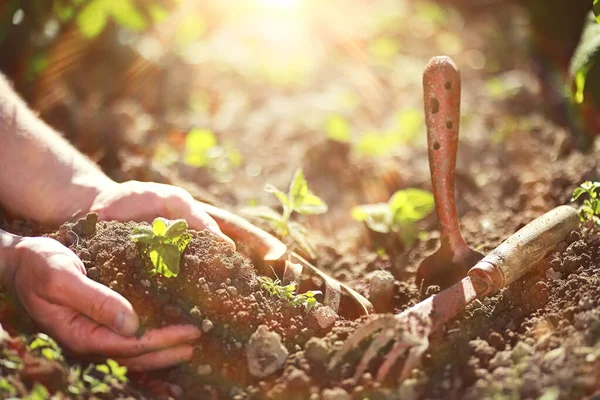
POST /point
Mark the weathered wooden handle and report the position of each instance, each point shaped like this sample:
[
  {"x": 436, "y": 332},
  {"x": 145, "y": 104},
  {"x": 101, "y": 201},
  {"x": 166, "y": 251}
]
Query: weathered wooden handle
[{"x": 517, "y": 254}]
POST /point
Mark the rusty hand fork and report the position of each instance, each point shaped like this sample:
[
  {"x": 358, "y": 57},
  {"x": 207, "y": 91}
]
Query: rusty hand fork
[
  {"x": 408, "y": 331},
  {"x": 441, "y": 90}
]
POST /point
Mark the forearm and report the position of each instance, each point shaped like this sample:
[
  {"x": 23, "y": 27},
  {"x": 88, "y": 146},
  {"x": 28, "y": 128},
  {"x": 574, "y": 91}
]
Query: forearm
[{"x": 42, "y": 177}]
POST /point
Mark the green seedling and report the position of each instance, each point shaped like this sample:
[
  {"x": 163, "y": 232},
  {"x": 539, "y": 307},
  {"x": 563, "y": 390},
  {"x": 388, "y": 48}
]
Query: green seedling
[
  {"x": 299, "y": 199},
  {"x": 163, "y": 244},
  {"x": 288, "y": 293},
  {"x": 584, "y": 57},
  {"x": 590, "y": 209},
  {"x": 400, "y": 214},
  {"x": 46, "y": 346}
]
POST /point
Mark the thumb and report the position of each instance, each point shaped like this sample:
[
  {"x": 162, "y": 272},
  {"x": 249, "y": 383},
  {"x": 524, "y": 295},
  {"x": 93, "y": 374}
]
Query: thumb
[{"x": 101, "y": 304}]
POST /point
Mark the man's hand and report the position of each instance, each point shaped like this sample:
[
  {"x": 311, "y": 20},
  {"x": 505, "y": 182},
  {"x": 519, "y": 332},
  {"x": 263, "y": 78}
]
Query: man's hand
[
  {"x": 144, "y": 201},
  {"x": 85, "y": 316}
]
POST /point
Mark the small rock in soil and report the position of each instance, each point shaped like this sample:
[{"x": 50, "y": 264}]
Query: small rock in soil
[
  {"x": 335, "y": 394},
  {"x": 325, "y": 317},
  {"x": 196, "y": 314},
  {"x": 204, "y": 369},
  {"x": 207, "y": 325},
  {"x": 298, "y": 379},
  {"x": 316, "y": 350},
  {"x": 265, "y": 352},
  {"x": 382, "y": 290}
]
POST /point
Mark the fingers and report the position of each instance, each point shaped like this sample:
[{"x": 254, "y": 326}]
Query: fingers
[
  {"x": 200, "y": 220},
  {"x": 84, "y": 336},
  {"x": 159, "y": 359},
  {"x": 98, "y": 302}
]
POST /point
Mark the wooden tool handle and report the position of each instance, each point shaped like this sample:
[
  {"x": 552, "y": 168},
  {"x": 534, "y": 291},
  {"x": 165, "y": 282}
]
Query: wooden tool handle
[
  {"x": 517, "y": 254},
  {"x": 441, "y": 97}
]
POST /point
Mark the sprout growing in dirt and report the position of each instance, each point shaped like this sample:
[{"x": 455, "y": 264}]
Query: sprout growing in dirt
[
  {"x": 287, "y": 293},
  {"x": 163, "y": 244},
  {"x": 590, "y": 210},
  {"x": 96, "y": 379},
  {"x": 399, "y": 214},
  {"x": 298, "y": 199},
  {"x": 46, "y": 346}
]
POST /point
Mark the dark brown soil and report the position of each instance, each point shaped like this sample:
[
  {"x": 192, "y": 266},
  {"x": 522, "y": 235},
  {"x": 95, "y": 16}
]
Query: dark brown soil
[{"x": 216, "y": 289}]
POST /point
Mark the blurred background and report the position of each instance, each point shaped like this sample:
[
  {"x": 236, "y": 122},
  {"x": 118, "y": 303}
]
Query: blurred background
[{"x": 225, "y": 96}]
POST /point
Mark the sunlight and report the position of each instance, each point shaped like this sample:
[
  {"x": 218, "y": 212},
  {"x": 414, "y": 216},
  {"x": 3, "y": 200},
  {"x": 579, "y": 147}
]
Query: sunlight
[{"x": 281, "y": 4}]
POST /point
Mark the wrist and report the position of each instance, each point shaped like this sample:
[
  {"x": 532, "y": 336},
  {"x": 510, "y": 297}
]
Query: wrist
[{"x": 8, "y": 257}]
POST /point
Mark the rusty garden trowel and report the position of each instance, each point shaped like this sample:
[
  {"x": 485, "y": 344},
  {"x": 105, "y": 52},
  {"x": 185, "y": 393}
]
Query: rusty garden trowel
[{"x": 441, "y": 92}]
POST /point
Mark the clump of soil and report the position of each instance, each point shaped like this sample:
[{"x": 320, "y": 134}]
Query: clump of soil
[{"x": 216, "y": 290}]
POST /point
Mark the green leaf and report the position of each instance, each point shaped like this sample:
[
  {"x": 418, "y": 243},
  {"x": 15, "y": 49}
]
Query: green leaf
[
  {"x": 165, "y": 259},
  {"x": 302, "y": 200},
  {"x": 126, "y": 14},
  {"x": 298, "y": 188},
  {"x": 577, "y": 193},
  {"x": 117, "y": 371},
  {"x": 596, "y": 9},
  {"x": 410, "y": 205},
  {"x": 282, "y": 197},
  {"x": 103, "y": 368},
  {"x": 143, "y": 234},
  {"x": 596, "y": 207},
  {"x": 6, "y": 387},
  {"x": 337, "y": 128},
  {"x": 159, "y": 226},
  {"x": 92, "y": 18},
  {"x": 584, "y": 57},
  {"x": 176, "y": 229},
  {"x": 197, "y": 144},
  {"x": 363, "y": 212},
  {"x": 311, "y": 204},
  {"x": 38, "y": 392}
]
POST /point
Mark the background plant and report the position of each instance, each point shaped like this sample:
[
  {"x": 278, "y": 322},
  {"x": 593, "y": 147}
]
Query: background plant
[
  {"x": 400, "y": 214},
  {"x": 287, "y": 293},
  {"x": 590, "y": 209},
  {"x": 299, "y": 199},
  {"x": 163, "y": 243}
]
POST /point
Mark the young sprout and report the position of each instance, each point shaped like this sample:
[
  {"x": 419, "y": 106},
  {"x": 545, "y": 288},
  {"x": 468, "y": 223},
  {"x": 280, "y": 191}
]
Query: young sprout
[
  {"x": 298, "y": 199},
  {"x": 590, "y": 209},
  {"x": 400, "y": 214},
  {"x": 163, "y": 243},
  {"x": 287, "y": 293}
]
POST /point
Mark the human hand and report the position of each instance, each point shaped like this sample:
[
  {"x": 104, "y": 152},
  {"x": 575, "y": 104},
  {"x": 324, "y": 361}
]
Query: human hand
[
  {"x": 144, "y": 201},
  {"x": 85, "y": 316}
]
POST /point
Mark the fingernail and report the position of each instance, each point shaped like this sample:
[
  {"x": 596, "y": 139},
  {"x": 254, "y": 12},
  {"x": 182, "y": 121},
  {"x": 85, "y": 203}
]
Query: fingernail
[{"x": 126, "y": 324}]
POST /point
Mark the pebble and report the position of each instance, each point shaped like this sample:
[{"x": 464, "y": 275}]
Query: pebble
[
  {"x": 265, "y": 353},
  {"x": 298, "y": 378},
  {"x": 146, "y": 283},
  {"x": 207, "y": 325},
  {"x": 204, "y": 369},
  {"x": 382, "y": 290},
  {"x": 232, "y": 290},
  {"x": 551, "y": 274},
  {"x": 195, "y": 313},
  {"x": 325, "y": 317}
]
